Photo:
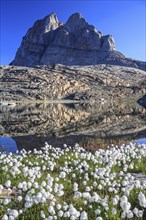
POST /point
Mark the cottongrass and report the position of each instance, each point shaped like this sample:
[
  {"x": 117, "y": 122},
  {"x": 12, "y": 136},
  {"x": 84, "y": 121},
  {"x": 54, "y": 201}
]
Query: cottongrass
[{"x": 71, "y": 183}]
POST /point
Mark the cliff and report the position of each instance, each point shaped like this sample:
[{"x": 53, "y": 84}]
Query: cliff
[{"x": 76, "y": 42}]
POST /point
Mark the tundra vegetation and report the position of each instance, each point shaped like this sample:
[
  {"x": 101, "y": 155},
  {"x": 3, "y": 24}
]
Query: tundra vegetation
[{"x": 73, "y": 183}]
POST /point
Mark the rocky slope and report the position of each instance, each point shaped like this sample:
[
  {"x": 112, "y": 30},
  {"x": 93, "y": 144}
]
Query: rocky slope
[
  {"x": 73, "y": 43},
  {"x": 96, "y": 83}
]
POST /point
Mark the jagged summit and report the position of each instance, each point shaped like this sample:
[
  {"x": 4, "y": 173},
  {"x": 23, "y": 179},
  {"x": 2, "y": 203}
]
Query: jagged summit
[
  {"x": 50, "y": 20},
  {"x": 76, "y": 42},
  {"x": 76, "y": 20}
]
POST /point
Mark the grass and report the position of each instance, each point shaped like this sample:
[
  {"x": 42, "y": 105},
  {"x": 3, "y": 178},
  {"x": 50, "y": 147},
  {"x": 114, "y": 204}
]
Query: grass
[
  {"x": 93, "y": 144},
  {"x": 87, "y": 169}
]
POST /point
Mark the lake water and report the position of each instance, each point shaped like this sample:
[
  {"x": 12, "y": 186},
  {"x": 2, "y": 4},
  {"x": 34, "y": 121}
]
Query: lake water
[{"x": 30, "y": 126}]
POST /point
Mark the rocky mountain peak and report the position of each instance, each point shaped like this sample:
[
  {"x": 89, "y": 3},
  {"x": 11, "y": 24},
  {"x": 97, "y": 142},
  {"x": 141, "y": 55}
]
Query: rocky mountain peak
[
  {"x": 75, "y": 17},
  {"x": 53, "y": 17},
  {"x": 50, "y": 21},
  {"x": 76, "y": 20},
  {"x": 77, "y": 23},
  {"x": 76, "y": 42}
]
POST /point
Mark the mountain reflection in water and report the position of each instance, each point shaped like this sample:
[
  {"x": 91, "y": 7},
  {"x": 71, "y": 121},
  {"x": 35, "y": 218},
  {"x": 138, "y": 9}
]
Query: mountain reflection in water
[{"x": 32, "y": 125}]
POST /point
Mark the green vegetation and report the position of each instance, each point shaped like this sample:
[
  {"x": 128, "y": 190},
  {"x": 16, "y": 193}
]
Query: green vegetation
[{"x": 72, "y": 183}]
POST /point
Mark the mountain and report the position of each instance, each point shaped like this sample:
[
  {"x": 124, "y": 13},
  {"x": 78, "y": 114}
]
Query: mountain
[
  {"x": 70, "y": 61},
  {"x": 50, "y": 42}
]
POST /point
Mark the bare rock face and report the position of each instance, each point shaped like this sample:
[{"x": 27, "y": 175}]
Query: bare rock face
[
  {"x": 34, "y": 42},
  {"x": 108, "y": 43},
  {"x": 76, "y": 42},
  {"x": 80, "y": 83}
]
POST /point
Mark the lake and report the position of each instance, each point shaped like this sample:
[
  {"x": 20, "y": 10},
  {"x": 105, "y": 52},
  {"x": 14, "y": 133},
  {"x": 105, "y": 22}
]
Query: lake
[{"x": 30, "y": 126}]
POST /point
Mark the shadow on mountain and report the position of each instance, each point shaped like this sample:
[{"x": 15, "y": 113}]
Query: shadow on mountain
[{"x": 142, "y": 101}]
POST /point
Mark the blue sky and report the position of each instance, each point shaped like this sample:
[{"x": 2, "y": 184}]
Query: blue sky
[{"x": 125, "y": 20}]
